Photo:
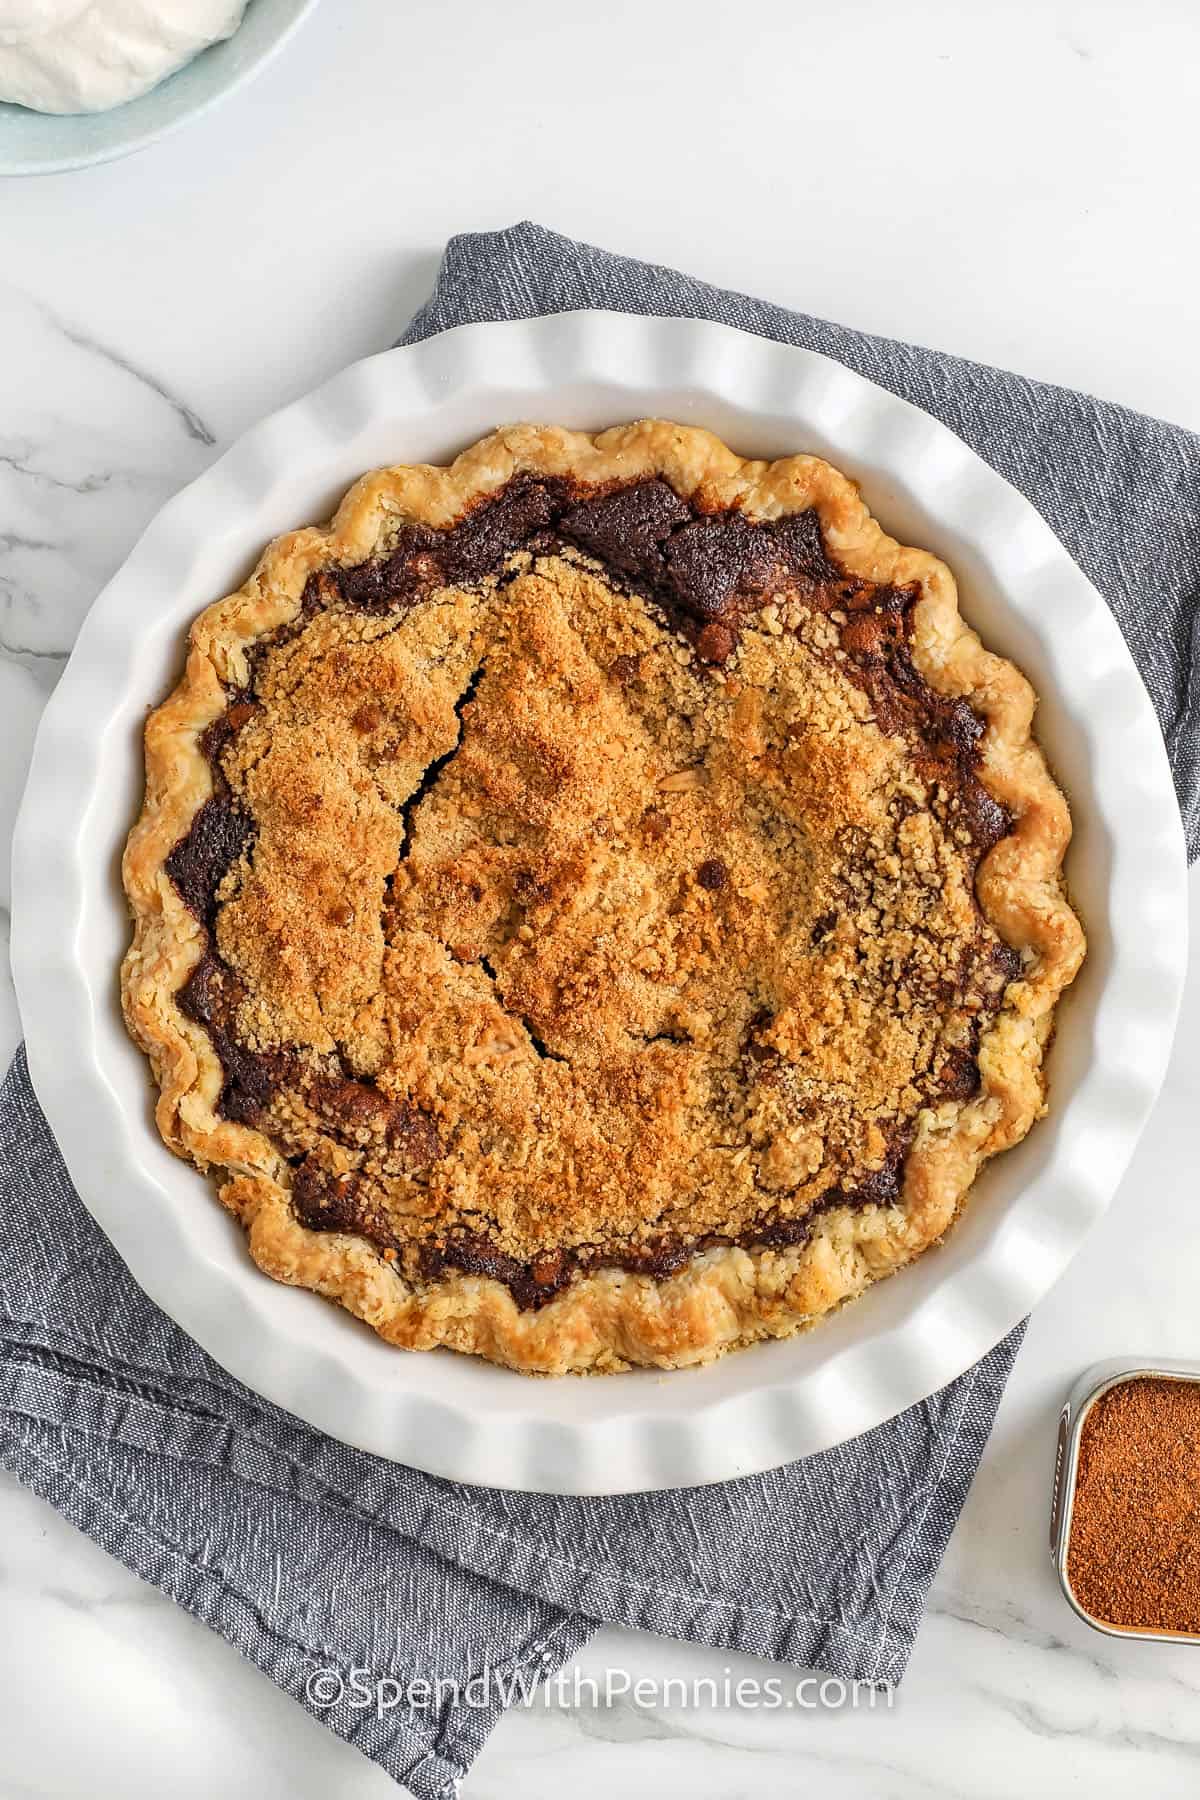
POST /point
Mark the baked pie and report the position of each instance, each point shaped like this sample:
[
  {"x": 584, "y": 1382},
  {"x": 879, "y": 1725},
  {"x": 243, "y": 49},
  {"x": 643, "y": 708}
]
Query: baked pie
[{"x": 596, "y": 903}]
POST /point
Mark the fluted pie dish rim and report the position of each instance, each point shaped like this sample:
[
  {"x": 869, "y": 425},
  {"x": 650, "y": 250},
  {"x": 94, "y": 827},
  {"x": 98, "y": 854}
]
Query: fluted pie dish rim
[{"x": 1030, "y": 1211}]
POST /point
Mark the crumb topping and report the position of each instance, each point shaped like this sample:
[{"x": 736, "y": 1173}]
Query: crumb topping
[{"x": 549, "y": 927}]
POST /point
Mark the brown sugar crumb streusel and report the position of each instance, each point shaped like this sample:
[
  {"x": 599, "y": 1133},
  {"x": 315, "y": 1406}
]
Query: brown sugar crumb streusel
[{"x": 541, "y": 947}]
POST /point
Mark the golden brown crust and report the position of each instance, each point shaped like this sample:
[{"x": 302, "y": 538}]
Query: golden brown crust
[{"x": 724, "y": 1296}]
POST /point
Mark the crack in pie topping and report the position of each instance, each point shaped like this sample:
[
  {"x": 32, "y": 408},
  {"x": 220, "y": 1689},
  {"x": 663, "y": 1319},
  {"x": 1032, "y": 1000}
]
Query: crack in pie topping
[{"x": 596, "y": 904}]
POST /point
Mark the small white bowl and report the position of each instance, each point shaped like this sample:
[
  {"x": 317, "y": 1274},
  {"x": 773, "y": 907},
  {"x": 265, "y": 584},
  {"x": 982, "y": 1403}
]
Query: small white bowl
[{"x": 33, "y": 143}]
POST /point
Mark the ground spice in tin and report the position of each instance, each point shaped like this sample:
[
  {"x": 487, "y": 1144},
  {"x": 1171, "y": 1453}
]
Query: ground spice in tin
[{"x": 1134, "y": 1551}]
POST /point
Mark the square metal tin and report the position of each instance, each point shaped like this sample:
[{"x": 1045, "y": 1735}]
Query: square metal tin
[{"x": 1093, "y": 1383}]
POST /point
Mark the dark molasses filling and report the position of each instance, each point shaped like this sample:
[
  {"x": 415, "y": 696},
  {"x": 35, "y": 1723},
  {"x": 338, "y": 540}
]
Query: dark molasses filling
[
  {"x": 342, "y": 1204},
  {"x": 706, "y": 572}
]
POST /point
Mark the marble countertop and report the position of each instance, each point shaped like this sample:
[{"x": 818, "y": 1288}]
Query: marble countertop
[{"x": 1010, "y": 182}]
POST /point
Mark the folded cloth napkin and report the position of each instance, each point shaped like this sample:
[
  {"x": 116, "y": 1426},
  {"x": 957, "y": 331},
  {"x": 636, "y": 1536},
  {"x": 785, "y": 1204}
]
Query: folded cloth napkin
[{"x": 334, "y": 1571}]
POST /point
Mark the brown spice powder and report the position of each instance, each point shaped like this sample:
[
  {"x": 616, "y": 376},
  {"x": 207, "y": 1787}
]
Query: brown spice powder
[{"x": 1134, "y": 1552}]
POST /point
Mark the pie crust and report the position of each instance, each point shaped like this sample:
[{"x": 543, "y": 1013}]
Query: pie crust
[{"x": 604, "y": 981}]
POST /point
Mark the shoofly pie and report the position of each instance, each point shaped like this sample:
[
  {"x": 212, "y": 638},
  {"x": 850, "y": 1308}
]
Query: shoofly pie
[{"x": 597, "y": 903}]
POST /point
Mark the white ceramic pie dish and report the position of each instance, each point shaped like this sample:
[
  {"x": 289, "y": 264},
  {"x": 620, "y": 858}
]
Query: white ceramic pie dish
[{"x": 1029, "y": 1211}]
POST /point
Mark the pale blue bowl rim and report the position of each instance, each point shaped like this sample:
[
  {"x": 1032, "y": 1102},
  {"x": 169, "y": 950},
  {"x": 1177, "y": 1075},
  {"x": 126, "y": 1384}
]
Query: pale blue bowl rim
[{"x": 33, "y": 143}]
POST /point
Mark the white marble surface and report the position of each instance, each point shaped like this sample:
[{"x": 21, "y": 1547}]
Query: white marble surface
[{"x": 1011, "y": 181}]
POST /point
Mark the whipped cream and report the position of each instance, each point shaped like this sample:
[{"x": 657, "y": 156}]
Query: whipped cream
[{"x": 78, "y": 56}]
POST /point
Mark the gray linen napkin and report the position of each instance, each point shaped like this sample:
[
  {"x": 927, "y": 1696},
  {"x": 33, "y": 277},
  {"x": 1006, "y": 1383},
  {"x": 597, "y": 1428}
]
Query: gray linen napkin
[{"x": 326, "y": 1566}]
